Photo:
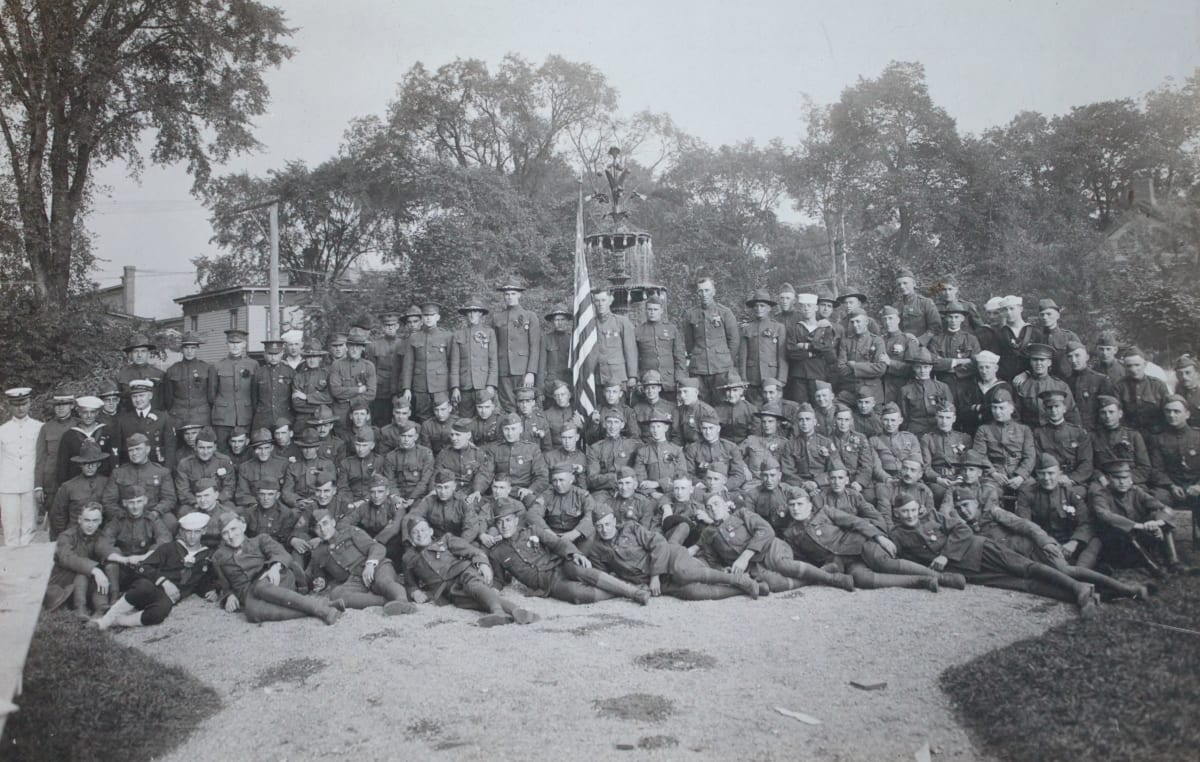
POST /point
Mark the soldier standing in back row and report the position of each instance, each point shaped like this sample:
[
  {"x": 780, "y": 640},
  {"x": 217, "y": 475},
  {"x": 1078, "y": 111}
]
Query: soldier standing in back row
[
  {"x": 232, "y": 401},
  {"x": 555, "y": 362},
  {"x": 478, "y": 366},
  {"x": 710, "y": 333},
  {"x": 518, "y": 344},
  {"x": 352, "y": 379},
  {"x": 188, "y": 384},
  {"x": 429, "y": 363},
  {"x": 139, "y": 366},
  {"x": 272, "y": 387},
  {"x": 386, "y": 352},
  {"x": 918, "y": 314},
  {"x": 762, "y": 353},
  {"x": 616, "y": 346},
  {"x": 661, "y": 348}
]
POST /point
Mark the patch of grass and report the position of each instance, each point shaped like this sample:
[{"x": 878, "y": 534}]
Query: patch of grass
[
  {"x": 640, "y": 707},
  {"x": 677, "y": 660},
  {"x": 1112, "y": 688},
  {"x": 296, "y": 670},
  {"x": 89, "y": 698},
  {"x": 657, "y": 742},
  {"x": 604, "y": 622}
]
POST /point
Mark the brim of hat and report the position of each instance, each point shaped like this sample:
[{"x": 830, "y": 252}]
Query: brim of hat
[
  {"x": 843, "y": 297},
  {"x": 511, "y": 287},
  {"x": 558, "y": 313},
  {"x": 80, "y": 459},
  {"x": 752, "y": 302},
  {"x": 137, "y": 346},
  {"x": 473, "y": 308}
]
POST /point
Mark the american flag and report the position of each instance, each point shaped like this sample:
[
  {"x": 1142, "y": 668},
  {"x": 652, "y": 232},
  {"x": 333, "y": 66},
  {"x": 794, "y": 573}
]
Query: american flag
[{"x": 583, "y": 338}]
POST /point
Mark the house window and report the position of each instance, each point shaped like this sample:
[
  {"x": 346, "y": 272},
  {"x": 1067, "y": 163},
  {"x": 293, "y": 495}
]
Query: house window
[
  {"x": 195, "y": 324},
  {"x": 233, "y": 318}
]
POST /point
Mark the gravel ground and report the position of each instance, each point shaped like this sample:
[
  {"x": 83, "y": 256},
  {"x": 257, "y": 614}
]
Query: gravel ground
[{"x": 607, "y": 681}]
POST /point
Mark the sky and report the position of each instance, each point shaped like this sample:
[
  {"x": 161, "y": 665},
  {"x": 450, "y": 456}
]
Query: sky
[{"x": 724, "y": 71}]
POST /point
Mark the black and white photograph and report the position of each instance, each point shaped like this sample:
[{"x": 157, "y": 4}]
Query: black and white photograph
[{"x": 664, "y": 380}]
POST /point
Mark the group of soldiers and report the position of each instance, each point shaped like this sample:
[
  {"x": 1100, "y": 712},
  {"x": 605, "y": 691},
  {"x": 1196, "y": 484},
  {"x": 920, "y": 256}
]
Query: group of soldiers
[{"x": 806, "y": 445}]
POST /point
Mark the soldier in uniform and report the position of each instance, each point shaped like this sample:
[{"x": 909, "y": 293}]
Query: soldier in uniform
[
  {"x": 628, "y": 505},
  {"x": 188, "y": 385},
  {"x": 205, "y": 463},
  {"x": 1006, "y": 444},
  {"x": 80, "y": 490},
  {"x": 139, "y": 469},
  {"x": 762, "y": 353},
  {"x": 233, "y": 404},
  {"x": 658, "y": 461},
  {"x": 1188, "y": 385},
  {"x": 434, "y": 432},
  {"x": 133, "y": 535},
  {"x": 1069, "y": 443},
  {"x": 1087, "y": 385},
  {"x": 310, "y": 386},
  {"x": 854, "y": 450},
  {"x": 518, "y": 344},
  {"x": 209, "y": 503},
  {"x": 711, "y": 336},
  {"x": 918, "y": 314},
  {"x": 953, "y": 351},
  {"x": 613, "y": 402},
  {"x": 1106, "y": 361},
  {"x": 299, "y": 478},
  {"x": 271, "y": 388},
  {"x": 485, "y": 426},
  {"x": 947, "y": 293},
  {"x": 564, "y": 511},
  {"x": 734, "y": 412},
  {"x": 555, "y": 363},
  {"x": 352, "y": 379},
  {"x": 78, "y": 573},
  {"x": 49, "y": 441},
  {"x": 239, "y": 445},
  {"x": 1111, "y": 440},
  {"x": 172, "y": 572},
  {"x": 568, "y": 452},
  {"x": 354, "y": 565},
  {"x": 138, "y": 351},
  {"x": 616, "y": 347},
  {"x": 478, "y": 366},
  {"x": 472, "y": 466},
  {"x": 1175, "y": 458},
  {"x": 264, "y": 466},
  {"x": 1027, "y": 388},
  {"x": 355, "y": 471},
  {"x": 255, "y": 576},
  {"x": 892, "y": 446},
  {"x": 559, "y": 413},
  {"x": 713, "y": 452},
  {"x": 811, "y": 349},
  {"x": 804, "y": 462},
  {"x": 535, "y": 427},
  {"x": 389, "y": 436},
  {"x": 521, "y": 460},
  {"x": 110, "y": 395},
  {"x": 922, "y": 397},
  {"x": 380, "y": 515},
  {"x": 1136, "y": 529},
  {"x": 409, "y": 467},
  {"x": 452, "y": 570},
  {"x": 900, "y": 346},
  {"x": 429, "y": 364},
  {"x": 651, "y": 405},
  {"x": 660, "y": 347},
  {"x": 1015, "y": 337},
  {"x": 768, "y": 443},
  {"x": 386, "y": 352},
  {"x": 685, "y": 423},
  {"x": 864, "y": 357},
  {"x": 1061, "y": 510},
  {"x": 941, "y": 449},
  {"x": 1142, "y": 396},
  {"x": 1055, "y": 336},
  {"x": 867, "y": 419}
]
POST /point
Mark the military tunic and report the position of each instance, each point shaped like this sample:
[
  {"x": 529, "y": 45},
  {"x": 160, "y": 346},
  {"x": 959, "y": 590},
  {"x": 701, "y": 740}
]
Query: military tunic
[
  {"x": 252, "y": 472},
  {"x": 660, "y": 347},
  {"x": 807, "y": 459},
  {"x": 605, "y": 458},
  {"x": 518, "y": 349},
  {"x": 187, "y": 392},
  {"x": 233, "y": 403},
  {"x": 156, "y": 480},
  {"x": 472, "y": 467},
  {"x": 300, "y": 479},
  {"x": 865, "y": 362},
  {"x": 354, "y": 474},
  {"x": 762, "y": 353},
  {"x": 1142, "y": 402},
  {"x": 191, "y": 469},
  {"x": 411, "y": 471},
  {"x": 721, "y": 455},
  {"x": 345, "y": 377},
  {"x": 1071, "y": 445},
  {"x": 567, "y": 512},
  {"x": 271, "y": 390}
]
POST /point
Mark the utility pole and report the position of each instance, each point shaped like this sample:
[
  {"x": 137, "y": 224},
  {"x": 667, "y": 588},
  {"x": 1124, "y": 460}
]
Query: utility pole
[{"x": 272, "y": 205}]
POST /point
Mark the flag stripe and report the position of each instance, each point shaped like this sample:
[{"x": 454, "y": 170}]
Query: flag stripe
[{"x": 583, "y": 337}]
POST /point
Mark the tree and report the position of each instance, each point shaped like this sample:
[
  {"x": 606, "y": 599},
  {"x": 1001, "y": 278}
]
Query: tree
[
  {"x": 327, "y": 223},
  {"x": 514, "y": 122},
  {"x": 84, "y": 80}
]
